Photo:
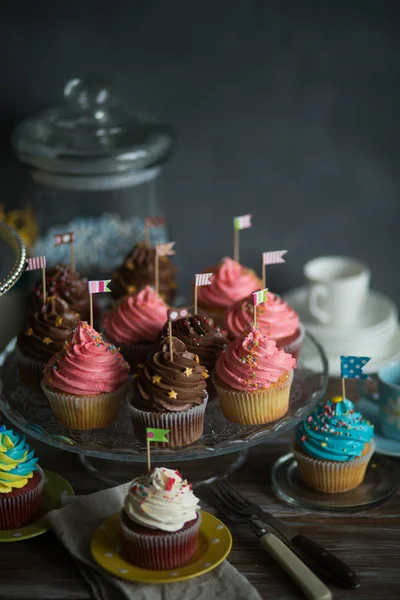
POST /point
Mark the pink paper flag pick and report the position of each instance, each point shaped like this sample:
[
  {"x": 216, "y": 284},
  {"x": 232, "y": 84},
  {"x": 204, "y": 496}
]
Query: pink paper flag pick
[
  {"x": 200, "y": 279},
  {"x": 96, "y": 287},
  {"x": 67, "y": 238},
  {"x": 258, "y": 298},
  {"x": 242, "y": 222},
  {"x": 271, "y": 258},
  {"x": 162, "y": 250},
  {"x": 38, "y": 262},
  {"x": 178, "y": 313}
]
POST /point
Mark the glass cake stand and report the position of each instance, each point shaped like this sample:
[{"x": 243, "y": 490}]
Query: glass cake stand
[{"x": 30, "y": 412}]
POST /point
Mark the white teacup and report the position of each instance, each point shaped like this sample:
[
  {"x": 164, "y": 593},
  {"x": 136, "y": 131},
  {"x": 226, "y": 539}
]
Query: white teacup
[{"x": 338, "y": 288}]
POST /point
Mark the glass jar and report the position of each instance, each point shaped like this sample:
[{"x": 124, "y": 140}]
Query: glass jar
[{"x": 96, "y": 166}]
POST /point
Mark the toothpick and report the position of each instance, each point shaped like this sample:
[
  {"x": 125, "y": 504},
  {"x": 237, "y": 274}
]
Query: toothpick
[
  {"x": 91, "y": 309},
  {"x": 148, "y": 454},
  {"x": 195, "y": 299},
  {"x": 255, "y": 315},
  {"x": 156, "y": 273},
  {"x": 236, "y": 245},
  {"x": 73, "y": 260},
  {"x": 146, "y": 233},
  {"x": 171, "y": 351},
  {"x": 263, "y": 267},
  {"x": 343, "y": 389},
  {"x": 44, "y": 285}
]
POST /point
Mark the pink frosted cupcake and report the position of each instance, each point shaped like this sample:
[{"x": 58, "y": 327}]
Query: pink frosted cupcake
[
  {"x": 135, "y": 324},
  {"x": 86, "y": 381},
  {"x": 160, "y": 521},
  {"x": 253, "y": 379},
  {"x": 275, "y": 319},
  {"x": 231, "y": 282}
]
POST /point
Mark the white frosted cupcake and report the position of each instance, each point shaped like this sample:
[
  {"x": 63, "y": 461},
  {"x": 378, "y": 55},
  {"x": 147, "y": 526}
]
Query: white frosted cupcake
[{"x": 160, "y": 521}]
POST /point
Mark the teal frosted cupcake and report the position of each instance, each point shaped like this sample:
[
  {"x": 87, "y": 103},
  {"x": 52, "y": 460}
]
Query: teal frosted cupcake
[{"x": 333, "y": 447}]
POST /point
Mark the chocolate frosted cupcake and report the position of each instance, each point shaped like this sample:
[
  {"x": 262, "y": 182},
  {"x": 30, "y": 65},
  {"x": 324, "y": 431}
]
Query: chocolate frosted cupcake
[
  {"x": 68, "y": 286},
  {"x": 137, "y": 271},
  {"x": 170, "y": 394},
  {"x": 44, "y": 335},
  {"x": 201, "y": 337}
]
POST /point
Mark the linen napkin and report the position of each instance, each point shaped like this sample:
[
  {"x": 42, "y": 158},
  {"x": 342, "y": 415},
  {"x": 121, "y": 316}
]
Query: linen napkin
[{"x": 74, "y": 525}]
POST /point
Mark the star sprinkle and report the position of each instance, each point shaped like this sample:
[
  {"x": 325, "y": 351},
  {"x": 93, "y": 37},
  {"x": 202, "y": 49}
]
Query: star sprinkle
[
  {"x": 196, "y": 358},
  {"x": 59, "y": 321},
  {"x": 140, "y": 366},
  {"x": 29, "y": 331},
  {"x": 188, "y": 371},
  {"x": 156, "y": 379},
  {"x": 205, "y": 374},
  {"x": 47, "y": 340},
  {"x": 131, "y": 289},
  {"x": 129, "y": 265},
  {"x": 172, "y": 394}
]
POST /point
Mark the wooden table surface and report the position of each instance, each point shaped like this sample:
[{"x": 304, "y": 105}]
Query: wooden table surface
[{"x": 369, "y": 541}]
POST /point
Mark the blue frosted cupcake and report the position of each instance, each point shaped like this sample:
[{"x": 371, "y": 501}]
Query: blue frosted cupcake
[{"x": 333, "y": 447}]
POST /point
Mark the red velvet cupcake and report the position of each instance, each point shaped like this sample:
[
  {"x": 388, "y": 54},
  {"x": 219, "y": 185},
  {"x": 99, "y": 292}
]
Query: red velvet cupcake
[
  {"x": 21, "y": 482},
  {"x": 160, "y": 521}
]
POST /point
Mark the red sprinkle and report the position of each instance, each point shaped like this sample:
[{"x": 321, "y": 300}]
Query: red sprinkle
[{"x": 170, "y": 483}]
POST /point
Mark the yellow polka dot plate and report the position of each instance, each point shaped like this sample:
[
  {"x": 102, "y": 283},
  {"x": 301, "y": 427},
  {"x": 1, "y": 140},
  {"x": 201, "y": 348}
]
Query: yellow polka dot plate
[
  {"x": 213, "y": 546},
  {"x": 55, "y": 488}
]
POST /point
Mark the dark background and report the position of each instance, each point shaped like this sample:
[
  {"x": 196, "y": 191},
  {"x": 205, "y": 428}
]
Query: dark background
[{"x": 288, "y": 110}]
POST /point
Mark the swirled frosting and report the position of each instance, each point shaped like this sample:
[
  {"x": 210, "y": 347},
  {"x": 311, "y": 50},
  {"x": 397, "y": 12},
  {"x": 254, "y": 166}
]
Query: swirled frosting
[
  {"x": 138, "y": 318},
  {"x": 165, "y": 385},
  {"x": 137, "y": 272},
  {"x": 253, "y": 361},
  {"x": 230, "y": 282},
  {"x": 334, "y": 431},
  {"x": 62, "y": 282},
  {"x": 47, "y": 330},
  {"x": 275, "y": 318},
  {"x": 200, "y": 336},
  {"x": 17, "y": 461},
  {"x": 161, "y": 500},
  {"x": 87, "y": 365}
]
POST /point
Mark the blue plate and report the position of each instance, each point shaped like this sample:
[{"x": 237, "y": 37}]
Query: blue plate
[{"x": 384, "y": 445}]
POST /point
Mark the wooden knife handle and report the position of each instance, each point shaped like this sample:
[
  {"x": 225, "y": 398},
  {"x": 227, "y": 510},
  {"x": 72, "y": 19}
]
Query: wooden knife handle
[
  {"x": 333, "y": 566},
  {"x": 312, "y": 587}
]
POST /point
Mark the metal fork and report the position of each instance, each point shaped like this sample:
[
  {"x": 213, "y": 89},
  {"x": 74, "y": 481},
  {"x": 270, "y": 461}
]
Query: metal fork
[
  {"x": 308, "y": 582},
  {"x": 335, "y": 568}
]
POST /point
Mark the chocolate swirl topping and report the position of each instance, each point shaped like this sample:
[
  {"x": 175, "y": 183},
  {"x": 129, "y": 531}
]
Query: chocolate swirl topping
[
  {"x": 47, "y": 330},
  {"x": 200, "y": 336},
  {"x": 68, "y": 286},
  {"x": 137, "y": 271},
  {"x": 162, "y": 385}
]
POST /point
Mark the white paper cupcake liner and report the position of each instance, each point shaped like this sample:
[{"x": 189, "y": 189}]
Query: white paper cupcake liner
[
  {"x": 255, "y": 407},
  {"x": 21, "y": 510},
  {"x": 332, "y": 477},
  {"x": 85, "y": 412},
  {"x": 185, "y": 427},
  {"x": 160, "y": 552},
  {"x": 30, "y": 371}
]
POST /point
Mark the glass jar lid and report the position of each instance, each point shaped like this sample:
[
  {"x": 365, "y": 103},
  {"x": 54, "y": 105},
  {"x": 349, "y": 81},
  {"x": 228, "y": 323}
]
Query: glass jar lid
[{"x": 91, "y": 135}]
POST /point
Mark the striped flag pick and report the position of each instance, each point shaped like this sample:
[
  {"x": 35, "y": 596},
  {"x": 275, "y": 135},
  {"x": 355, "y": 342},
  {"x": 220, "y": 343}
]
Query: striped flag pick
[
  {"x": 273, "y": 258},
  {"x": 64, "y": 238},
  {"x": 38, "y": 262},
  {"x": 242, "y": 222},
  {"x": 203, "y": 279},
  {"x": 165, "y": 249},
  {"x": 178, "y": 313},
  {"x": 260, "y": 296},
  {"x": 96, "y": 287}
]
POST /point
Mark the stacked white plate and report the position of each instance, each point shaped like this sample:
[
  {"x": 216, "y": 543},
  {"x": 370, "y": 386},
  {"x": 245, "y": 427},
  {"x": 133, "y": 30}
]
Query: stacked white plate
[{"x": 376, "y": 335}]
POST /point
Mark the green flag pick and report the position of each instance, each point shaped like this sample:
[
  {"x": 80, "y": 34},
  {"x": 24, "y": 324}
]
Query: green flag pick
[{"x": 154, "y": 435}]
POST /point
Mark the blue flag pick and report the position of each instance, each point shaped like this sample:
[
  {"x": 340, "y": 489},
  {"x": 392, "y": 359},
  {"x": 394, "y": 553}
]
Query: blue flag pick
[{"x": 351, "y": 367}]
